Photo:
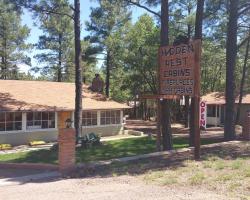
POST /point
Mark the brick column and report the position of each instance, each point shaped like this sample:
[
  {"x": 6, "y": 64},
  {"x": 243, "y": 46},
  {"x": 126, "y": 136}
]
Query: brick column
[
  {"x": 246, "y": 126},
  {"x": 66, "y": 154}
]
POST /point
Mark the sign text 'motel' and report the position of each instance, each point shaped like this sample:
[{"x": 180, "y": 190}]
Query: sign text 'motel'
[{"x": 177, "y": 69}]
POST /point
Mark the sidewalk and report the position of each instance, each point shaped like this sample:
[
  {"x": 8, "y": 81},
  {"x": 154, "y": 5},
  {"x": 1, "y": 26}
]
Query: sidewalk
[
  {"x": 119, "y": 137},
  {"x": 26, "y": 148},
  {"x": 21, "y": 176}
]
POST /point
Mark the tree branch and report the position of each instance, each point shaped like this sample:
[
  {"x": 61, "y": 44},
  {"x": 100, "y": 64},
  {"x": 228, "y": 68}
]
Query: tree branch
[
  {"x": 40, "y": 9},
  {"x": 243, "y": 42},
  {"x": 72, "y": 8},
  {"x": 244, "y": 5},
  {"x": 244, "y": 10},
  {"x": 131, "y": 2}
]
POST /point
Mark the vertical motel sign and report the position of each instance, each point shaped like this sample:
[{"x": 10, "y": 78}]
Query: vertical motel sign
[
  {"x": 203, "y": 114},
  {"x": 179, "y": 75}
]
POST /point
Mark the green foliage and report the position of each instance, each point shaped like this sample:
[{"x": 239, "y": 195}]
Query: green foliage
[
  {"x": 213, "y": 67},
  {"x": 88, "y": 63},
  {"x": 106, "y": 27},
  {"x": 140, "y": 57},
  {"x": 12, "y": 41},
  {"x": 57, "y": 42}
]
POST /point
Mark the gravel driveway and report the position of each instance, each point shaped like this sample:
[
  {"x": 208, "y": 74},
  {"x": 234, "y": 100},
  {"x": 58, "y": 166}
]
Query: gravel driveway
[{"x": 116, "y": 188}]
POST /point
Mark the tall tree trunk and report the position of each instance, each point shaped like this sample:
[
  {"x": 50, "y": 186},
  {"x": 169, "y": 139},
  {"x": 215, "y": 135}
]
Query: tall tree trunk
[
  {"x": 59, "y": 70},
  {"x": 186, "y": 111},
  {"x": 165, "y": 104},
  {"x": 78, "y": 70},
  {"x": 108, "y": 74},
  {"x": 195, "y": 102},
  {"x": 191, "y": 123},
  {"x": 199, "y": 19},
  {"x": 242, "y": 83},
  {"x": 2, "y": 67},
  {"x": 4, "y": 60},
  {"x": 187, "y": 107},
  {"x": 231, "y": 53}
]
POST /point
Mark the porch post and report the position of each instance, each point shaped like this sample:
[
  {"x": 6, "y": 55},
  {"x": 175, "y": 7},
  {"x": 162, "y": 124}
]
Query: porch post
[
  {"x": 121, "y": 117},
  {"x": 216, "y": 117},
  {"x": 98, "y": 118},
  {"x": 73, "y": 119},
  {"x": 220, "y": 114},
  {"x": 24, "y": 121}
]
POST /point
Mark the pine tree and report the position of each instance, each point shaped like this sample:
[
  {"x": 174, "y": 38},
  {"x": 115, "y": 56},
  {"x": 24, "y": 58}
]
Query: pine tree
[
  {"x": 231, "y": 48},
  {"x": 12, "y": 41},
  {"x": 78, "y": 69},
  {"x": 106, "y": 19},
  {"x": 56, "y": 41},
  {"x": 33, "y": 5}
]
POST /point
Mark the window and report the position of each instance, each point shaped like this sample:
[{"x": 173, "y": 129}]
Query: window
[
  {"x": 89, "y": 118},
  {"x": 211, "y": 111},
  {"x": 40, "y": 120},
  {"x": 10, "y": 121},
  {"x": 110, "y": 117}
]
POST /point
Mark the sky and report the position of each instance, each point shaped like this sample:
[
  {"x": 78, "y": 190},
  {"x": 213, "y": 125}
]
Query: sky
[{"x": 85, "y": 12}]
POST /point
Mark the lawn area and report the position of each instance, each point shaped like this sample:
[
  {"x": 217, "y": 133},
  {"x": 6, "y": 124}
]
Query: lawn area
[
  {"x": 109, "y": 150},
  {"x": 229, "y": 177},
  {"x": 223, "y": 170}
]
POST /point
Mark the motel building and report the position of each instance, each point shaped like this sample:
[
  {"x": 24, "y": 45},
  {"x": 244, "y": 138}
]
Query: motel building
[
  {"x": 36, "y": 110},
  {"x": 212, "y": 109}
]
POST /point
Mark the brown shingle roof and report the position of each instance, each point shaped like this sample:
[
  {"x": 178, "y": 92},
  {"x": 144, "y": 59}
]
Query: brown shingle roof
[
  {"x": 42, "y": 95},
  {"x": 219, "y": 98}
]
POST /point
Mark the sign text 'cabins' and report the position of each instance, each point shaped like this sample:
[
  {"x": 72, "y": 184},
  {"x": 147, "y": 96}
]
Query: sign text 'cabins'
[{"x": 177, "y": 69}]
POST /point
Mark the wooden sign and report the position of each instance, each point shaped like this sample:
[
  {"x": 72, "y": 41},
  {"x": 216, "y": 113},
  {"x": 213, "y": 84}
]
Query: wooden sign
[
  {"x": 177, "y": 71},
  {"x": 158, "y": 96}
]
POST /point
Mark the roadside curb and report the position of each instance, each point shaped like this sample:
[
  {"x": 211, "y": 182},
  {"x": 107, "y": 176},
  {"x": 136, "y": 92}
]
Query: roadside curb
[
  {"x": 132, "y": 158},
  {"x": 29, "y": 178},
  {"x": 28, "y": 166}
]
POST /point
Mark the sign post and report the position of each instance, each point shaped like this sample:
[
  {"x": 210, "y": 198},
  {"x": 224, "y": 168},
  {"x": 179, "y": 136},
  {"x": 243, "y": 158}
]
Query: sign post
[
  {"x": 197, "y": 58},
  {"x": 180, "y": 76}
]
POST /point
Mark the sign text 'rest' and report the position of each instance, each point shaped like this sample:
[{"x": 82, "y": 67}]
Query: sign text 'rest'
[{"x": 177, "y": 69}]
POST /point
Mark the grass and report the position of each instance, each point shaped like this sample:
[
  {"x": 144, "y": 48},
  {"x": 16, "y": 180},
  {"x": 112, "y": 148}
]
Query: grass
[
  {"x": 222, "y": 174},
  {"x": 197, "y": 178},
  {"x": 230, "y": 180},
  {"x": 109, "y": 150},
  {"x": 39, "y": 156},
  {"x": 222, "y": 169}
]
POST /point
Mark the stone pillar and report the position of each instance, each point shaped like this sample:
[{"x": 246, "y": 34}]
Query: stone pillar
[
  {"x": 246, "y": 126},
  {"x": 66, "y": 141}
]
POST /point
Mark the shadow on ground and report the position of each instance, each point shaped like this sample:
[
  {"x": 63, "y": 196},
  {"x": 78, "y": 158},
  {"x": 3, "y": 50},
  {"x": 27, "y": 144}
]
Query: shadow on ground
[
  {"x": 226, "y": 151},
  {"x": 22, "y": 176}
]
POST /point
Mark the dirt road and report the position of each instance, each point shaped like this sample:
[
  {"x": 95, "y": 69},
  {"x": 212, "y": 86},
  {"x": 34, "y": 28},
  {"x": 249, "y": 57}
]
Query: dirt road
[{"x": 111, "y": 188}]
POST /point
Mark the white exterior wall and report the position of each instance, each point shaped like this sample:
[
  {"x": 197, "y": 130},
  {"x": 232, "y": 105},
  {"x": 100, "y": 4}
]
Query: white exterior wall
[
  {"x": 105, "y": 130},
  {"x": 25, "y": 136},
  {"x": 215, "y": 121},
  {"x": 108, "y": 130}
]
